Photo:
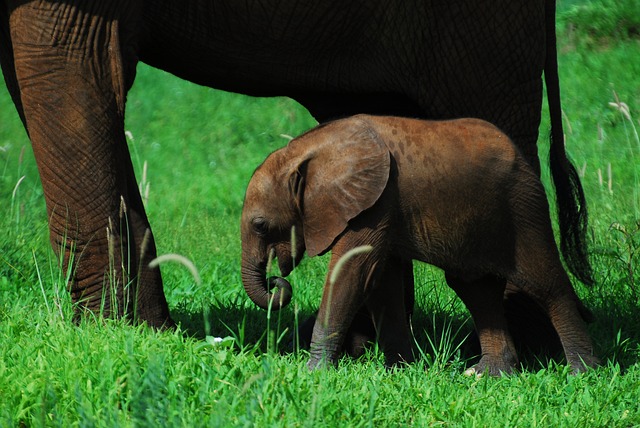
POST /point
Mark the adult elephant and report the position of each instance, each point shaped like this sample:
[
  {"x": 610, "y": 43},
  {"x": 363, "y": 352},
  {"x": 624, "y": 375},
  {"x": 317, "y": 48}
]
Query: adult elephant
[{"x": 68, "y": 65}]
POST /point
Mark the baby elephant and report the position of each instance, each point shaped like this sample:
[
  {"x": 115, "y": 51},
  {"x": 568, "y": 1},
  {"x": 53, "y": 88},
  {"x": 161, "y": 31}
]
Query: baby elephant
[{"x": 380, "y": 191}]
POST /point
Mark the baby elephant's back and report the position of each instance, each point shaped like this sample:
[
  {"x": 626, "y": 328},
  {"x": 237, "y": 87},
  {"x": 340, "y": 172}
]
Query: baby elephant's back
[
  {"x": 455, "y": 175},
  {"x": 460, "y": 154},
  {"x": 461, "y": 144}
]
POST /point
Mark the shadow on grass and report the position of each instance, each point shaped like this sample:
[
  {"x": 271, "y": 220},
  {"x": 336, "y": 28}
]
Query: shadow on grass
[
  {"x": 616, "y": 332},
  {"x": 247, "y": 324},
  {"x": 435, "y": 332}
]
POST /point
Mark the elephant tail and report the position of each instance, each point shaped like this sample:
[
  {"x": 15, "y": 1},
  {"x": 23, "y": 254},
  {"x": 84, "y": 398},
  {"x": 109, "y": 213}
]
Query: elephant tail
[{"x": 570, "y": 199}]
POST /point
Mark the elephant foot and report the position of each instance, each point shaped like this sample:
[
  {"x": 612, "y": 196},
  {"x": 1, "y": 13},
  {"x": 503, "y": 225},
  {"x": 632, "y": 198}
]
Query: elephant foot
[
  {"x": 321, "y": 363},
  {"x": 581, "y": 362},
  {"x": 168, "y": 325},
  {"x": 492, "y": 366},
  {"x": 360, "y": 335}
]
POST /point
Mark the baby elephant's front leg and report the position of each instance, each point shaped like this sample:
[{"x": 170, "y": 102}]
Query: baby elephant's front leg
[{"x": 351, "y": 270}]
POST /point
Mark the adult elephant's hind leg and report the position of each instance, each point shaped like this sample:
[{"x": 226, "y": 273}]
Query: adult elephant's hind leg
[
  {"x": 572, "y": 330},
  {"x": 74, "y": 65},
  {"x": 555, "y": 294},
  {"x": 543, "y": 277},
  {"x": 483, "y": 297}
]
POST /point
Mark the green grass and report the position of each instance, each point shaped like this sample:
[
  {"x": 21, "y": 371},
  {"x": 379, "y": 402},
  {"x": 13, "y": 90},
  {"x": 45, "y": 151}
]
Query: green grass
[
  {"x": 201, "y": 147},
  {"x": 598, "y": 22}
]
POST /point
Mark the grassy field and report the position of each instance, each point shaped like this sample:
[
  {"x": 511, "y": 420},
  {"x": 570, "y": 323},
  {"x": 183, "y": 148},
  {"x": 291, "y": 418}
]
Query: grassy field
[{"x": 200, "y": 147}]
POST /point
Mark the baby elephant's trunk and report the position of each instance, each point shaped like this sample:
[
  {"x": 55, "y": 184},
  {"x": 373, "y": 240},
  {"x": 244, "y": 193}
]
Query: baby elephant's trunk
[{"x": 258, "y": 288}]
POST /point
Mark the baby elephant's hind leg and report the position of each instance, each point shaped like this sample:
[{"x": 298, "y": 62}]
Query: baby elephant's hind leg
[{"x": 483, "y": 297}]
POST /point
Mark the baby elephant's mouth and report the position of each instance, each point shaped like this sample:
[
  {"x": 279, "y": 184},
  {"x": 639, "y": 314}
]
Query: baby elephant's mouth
[
  {"x": 286, "y": 266},
  {"x": 282, "y": 296}
]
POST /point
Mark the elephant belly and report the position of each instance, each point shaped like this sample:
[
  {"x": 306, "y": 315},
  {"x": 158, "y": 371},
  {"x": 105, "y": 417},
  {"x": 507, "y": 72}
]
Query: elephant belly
[
  {"x": 276, "y": 49},
  {"x": 473, "y": 59}
]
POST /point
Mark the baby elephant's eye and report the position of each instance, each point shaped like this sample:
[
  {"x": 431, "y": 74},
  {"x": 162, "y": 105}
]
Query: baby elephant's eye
[{"x": 260, "y": 225}]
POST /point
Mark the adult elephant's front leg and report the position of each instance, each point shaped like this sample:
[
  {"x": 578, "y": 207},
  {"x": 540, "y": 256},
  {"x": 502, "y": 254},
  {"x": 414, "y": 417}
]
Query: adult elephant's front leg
[{"x": 74, "y": 65}]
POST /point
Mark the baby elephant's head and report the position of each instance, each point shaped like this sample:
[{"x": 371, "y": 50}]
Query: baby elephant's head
[
  {"x": 302, "y": 198},
  {"x": 271, "y": 227}
]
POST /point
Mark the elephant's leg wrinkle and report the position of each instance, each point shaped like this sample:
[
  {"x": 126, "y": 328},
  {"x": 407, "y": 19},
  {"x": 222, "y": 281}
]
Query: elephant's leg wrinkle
[
  {"x": 335, "y": 315},
  {"x": 329, "y": 331},
  {"x": 565, "y": 316},
  {"x": 553, "y": 291},
  {"x": 483, "y": 298}
]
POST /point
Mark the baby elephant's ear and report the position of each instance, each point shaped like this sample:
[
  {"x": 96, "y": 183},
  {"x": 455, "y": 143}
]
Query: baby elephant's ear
[{"x": 345, "y": 176}]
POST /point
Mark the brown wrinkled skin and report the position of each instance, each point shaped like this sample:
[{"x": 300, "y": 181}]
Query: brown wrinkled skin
[
  {"x": 456, "y": 194},
  {"x": 68, "y": 65}
]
